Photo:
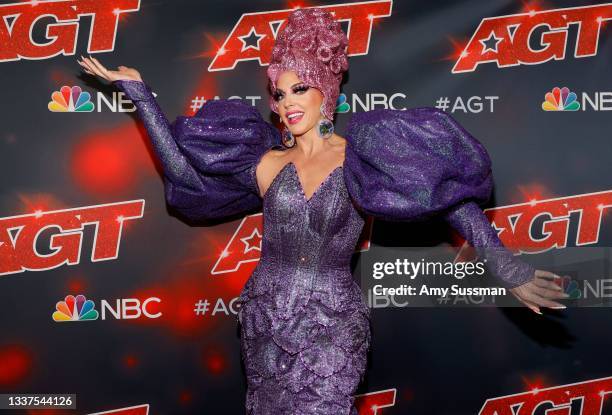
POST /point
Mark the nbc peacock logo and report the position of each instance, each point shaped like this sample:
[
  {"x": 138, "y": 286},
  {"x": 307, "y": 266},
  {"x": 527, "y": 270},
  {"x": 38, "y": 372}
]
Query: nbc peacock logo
[
  {"x": 73, "y": 308},
  {"x": 570, "y": 286},
  {"x": 69, "y": 99},
  {"x": 341, "y": 105},
  {"x": 560, "y": 99}
]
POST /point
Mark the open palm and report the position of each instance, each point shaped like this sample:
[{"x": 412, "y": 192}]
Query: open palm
[{"x": 93, "y": 67}]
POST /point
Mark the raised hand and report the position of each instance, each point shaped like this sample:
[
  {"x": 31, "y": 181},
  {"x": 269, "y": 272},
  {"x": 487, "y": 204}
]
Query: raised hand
[
  {"x": 540, "y": 292},
  {"x": 93, "y": 67}
]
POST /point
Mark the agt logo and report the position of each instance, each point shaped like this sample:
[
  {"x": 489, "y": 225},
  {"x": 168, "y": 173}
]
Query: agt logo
[
  {"x": 130, "y": 410},
  {"x": 79, "y": 308},
  {"x": 562, "y": 99},
  {"x": 198, "y": 102},
  {"x": 74, "y": 99},
  {"x": 591, "y": 396},
  {"x": 371, "y": 403},
  {"x": 60, "y": 21},
  {"x": 508, "y": 40},
  {"x": 253, "y": 36},
  {"x": 520, "y": 225},
  {"x": 45, "y": 240}
]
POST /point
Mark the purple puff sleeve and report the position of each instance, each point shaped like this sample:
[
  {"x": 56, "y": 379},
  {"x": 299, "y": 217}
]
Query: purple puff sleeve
[
  {"x": 208, "y": 159},
  {"x": 417, "y": 163}
]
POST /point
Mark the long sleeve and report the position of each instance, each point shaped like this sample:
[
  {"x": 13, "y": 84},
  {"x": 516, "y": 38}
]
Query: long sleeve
[
  {"x": 471, "y": 222},
  {"x": 208, "y": 160},
  {"x": 418, "y": 163}
]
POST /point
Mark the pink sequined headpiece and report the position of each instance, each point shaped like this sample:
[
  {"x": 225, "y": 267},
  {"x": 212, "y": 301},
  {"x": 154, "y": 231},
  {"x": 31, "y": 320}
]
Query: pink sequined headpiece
[{"x": 313, "y": 45}]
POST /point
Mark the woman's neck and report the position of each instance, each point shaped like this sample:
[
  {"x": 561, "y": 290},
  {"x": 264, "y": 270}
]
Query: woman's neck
[{"x": 310, "y": 143}]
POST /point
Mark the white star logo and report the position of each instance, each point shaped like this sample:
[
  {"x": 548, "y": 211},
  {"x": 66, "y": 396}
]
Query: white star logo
[
  {"x": 247, "y": 241},
  {"x": 490, "y": 43},
  {"x": 247, "y": 40}
]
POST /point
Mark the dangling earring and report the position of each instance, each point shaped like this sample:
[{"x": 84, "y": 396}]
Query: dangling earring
[
  {"x": 325, "y": 127},
  {"x": 288, "y": 138}
]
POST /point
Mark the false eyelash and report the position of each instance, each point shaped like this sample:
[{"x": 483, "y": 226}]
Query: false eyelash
[{"x": 301, "y": 88}]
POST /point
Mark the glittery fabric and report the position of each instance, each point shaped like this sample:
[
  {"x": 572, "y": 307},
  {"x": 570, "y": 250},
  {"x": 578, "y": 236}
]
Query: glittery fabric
[
  {"x": 209, "y": 159},
  {"x": 304, "y": 323},
  {"x": 468, "y": 219},
  {"x": 413, "y": 164},
  {"x": 313, "y": 45},
  {"x": 305, "y": 326}
]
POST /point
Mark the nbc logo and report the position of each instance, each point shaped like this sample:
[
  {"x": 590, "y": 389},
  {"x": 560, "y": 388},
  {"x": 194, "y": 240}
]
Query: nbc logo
[
  {"x": 74, "y": 308},
  {"x": 368, "y": 101},
  {"x": 79, "y": 308},
  {"x": 560, "y": 99},
  {"x": 70, "y": 100},
  {"x": 341, "y": 105},
  {"x": 570, "y": 287}
]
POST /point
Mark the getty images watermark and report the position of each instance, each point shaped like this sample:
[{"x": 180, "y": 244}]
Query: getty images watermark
[{"x": 434, "y": 277}]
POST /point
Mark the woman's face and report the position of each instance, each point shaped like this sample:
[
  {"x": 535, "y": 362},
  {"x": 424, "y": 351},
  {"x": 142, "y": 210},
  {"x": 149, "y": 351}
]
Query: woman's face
[{"x": 295, "y": 97}]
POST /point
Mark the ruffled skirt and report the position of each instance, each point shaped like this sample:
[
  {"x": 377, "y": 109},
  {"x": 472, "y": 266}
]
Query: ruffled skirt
[{"x": 304, "y": 359}]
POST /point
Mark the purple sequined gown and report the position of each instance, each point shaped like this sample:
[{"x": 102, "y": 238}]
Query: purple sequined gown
[{"x": 304, "y": 323}]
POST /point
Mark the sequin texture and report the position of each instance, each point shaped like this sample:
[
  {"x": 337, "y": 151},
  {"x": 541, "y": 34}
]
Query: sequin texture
[{"x": 304, "y": 323}]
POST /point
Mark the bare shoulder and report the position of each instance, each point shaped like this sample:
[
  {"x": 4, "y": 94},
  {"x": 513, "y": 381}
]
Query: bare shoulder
[
  {"x": 273, "y": 159},
  {"x": 269, "y": 166}
]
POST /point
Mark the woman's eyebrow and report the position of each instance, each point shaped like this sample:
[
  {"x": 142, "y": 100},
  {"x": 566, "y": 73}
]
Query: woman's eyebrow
[{"x": 297, "y": 83}]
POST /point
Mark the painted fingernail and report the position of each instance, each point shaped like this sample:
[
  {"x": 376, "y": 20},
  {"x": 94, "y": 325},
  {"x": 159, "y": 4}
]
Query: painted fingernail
[{"x": 559, "y": 308}]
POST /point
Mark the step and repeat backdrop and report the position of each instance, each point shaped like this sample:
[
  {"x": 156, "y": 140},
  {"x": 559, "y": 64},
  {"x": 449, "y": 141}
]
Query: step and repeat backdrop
[{"x": 112, "y": 303}]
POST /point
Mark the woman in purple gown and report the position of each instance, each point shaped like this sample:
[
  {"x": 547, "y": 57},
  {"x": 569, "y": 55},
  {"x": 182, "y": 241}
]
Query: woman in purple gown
[{"x": 304, "y": 323}]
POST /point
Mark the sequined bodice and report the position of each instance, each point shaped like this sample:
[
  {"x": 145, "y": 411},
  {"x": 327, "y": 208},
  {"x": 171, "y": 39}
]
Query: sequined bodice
[
  {"x": 319, "y": 232},
  {"x": 307, "y": 243}
]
